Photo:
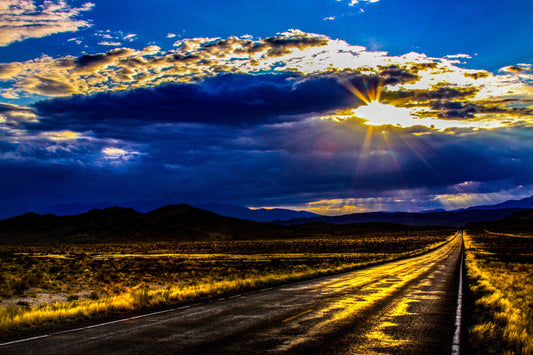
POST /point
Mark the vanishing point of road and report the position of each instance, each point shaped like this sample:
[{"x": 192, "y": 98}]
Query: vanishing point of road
[{"x": 402, "y": 307}]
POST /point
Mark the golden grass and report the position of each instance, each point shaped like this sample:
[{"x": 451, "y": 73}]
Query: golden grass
[
  {"x": 503, "y": 292},
  {"x": 160, "y": 277}
]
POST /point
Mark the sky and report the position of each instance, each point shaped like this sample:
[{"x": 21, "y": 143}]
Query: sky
[{"x": 329, "y": 106}]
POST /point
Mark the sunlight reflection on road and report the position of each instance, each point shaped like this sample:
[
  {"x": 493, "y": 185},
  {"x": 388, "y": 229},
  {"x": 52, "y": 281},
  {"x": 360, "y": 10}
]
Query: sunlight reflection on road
[{"x": 373, "y": 289}]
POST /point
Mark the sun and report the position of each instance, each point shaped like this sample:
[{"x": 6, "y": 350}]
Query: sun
[{"x": 376, "y": 113}]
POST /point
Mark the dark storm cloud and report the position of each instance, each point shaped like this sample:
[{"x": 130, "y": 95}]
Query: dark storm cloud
[
  {"x": 9, "y": 109},
  {"x": 226, "y": 100},
  {"x": 296, "y": 162}
]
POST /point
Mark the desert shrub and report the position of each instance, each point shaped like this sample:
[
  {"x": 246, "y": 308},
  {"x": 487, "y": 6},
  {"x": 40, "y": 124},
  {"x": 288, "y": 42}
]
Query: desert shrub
[
  {"x": 141, "y": 296},
  {"x": 19, "y": 286},
  {"x": 502, "y": 290},
  {"x": 125, "y": 277}
]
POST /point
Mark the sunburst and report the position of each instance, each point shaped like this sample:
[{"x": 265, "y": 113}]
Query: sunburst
[{"x": 375, "y": 112}]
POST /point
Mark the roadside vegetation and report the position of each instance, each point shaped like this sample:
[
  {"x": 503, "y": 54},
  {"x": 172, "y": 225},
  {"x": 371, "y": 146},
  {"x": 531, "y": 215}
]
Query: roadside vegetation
[
  {"x": 46, "y": 285},
  {"x": 500, "y": 278}
]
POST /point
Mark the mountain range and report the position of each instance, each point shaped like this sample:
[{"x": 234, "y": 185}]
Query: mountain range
[
  {"x": 438, "y": 218},
  {"x": 184, "y": 222},
  {"x": 281, "y": 214},
  {"x": 258, "y": 215},
  {"x": 169, "y": 223}
]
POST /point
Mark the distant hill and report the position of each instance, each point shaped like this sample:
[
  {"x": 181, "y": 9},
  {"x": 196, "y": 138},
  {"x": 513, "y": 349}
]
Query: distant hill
[
  {"x": 519, "y": 222},
  {"x": 523, "y": 203},
  {"x": 438, "y": 218},
  {"x": 226, "y": 210},
  {"x": 258, "y": 215},
  {"x": 169, "y": 223}
]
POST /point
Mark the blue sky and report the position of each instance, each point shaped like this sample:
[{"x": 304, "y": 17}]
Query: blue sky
[{"x": 329, "y": 106}]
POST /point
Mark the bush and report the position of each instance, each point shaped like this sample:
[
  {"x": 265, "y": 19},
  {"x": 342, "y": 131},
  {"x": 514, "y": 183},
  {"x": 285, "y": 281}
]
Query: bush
[{"x": 20, "y": 286}]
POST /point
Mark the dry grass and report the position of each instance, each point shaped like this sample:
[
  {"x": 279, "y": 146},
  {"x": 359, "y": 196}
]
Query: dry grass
[
  {"x": 91, "y": 280},
  {"x": 500, "y": 273}
]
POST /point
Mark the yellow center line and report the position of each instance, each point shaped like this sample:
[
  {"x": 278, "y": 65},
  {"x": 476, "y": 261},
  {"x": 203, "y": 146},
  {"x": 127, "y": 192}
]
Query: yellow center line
[{"x": 296, "y": 316}]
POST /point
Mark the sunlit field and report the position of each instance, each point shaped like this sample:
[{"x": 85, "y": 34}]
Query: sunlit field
[
  {"x": 51, "y": 284},
  {"x": 500, "y": 274}
]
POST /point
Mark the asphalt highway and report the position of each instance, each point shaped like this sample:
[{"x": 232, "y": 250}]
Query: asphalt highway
[{"x": 402, "y": 307}]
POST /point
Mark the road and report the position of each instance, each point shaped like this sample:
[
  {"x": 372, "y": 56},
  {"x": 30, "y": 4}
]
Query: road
[{"x": 406, "y": 307}]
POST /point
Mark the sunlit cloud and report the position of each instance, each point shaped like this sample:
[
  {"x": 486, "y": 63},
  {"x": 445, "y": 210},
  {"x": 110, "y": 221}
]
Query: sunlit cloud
[
  {"x": 118, "y": 155},
  {"x": 459, "y": 56},
  {"x": 15, "y": 115},
  {"x": 416, "y": 89},
  {"x": 312, "y": 122},
  {"x": 355, "y": 2},
  {"x": 23, "y": 19},
  {"x": 114, "y": 38},
  {"x": 130, "y": 37},
  {"x": 62, "y": 136},
  {"x": 518, "y": 69},
  {"x": 412, "y": 200},
  {"x": 76, "y": 40},
  {"x": 107, "y": 43}
]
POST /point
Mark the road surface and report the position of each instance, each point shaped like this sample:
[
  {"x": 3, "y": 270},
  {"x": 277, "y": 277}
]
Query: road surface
[{"x": 404, "y": 307}]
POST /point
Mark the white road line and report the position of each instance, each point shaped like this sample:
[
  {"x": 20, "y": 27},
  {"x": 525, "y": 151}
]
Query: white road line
[
  {"x": 236, "y": 296},
  {"x": 266, "y": 289},
  {"x": 197, "y": 304},
  {"x": 23, "y": 340},
  {"x": 457, "y": 335},
  {"x": 98, "y": 325}
]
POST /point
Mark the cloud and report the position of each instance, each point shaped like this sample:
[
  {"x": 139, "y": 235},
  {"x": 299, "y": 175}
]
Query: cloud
[
  {"x": 459, "y": 56},
  {"x": 23, "y": 19},
  {"x": 114, "y": 38},
  {"x": 226, "y": 99},
  {"x": 517, "y": 69},
  {"x": 16, "y": 115},
  {"x": 278, "y": 121},
  {"x": 404, "y": 78},
  {"x": 107, "y": 43},
  {"x": 431, "y": 88},
  {"x": 291, "y": 163},
  {"x": 355, "y": 2}
]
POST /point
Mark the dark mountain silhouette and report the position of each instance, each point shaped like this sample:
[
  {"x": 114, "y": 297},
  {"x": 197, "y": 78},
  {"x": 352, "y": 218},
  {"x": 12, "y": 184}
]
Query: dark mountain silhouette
[
  {"x": 439, "y": 218},
  {"x": 228, "y": 210},
  {"x": 93, "y": 226},
  {"x": 223, "y": 209},
  {"x": 169, "y": 223},
  {"x": 523, "y": 203},
  {"x": 258, "y": 215},
  {"x": 519, "y": 222}
]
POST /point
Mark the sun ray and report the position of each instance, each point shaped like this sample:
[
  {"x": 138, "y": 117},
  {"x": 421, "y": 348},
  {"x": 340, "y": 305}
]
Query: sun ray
[
  {"x": 365, "y": 149},
  {"x": 350, "y": 87}
]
